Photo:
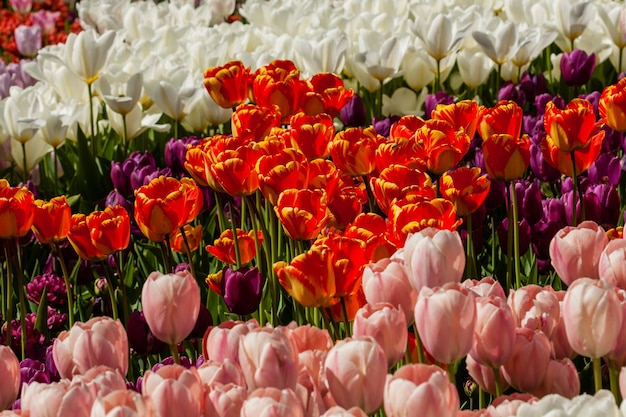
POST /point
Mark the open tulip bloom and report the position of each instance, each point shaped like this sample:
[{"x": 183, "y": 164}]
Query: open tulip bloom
[{"x": 304, "y": 208}]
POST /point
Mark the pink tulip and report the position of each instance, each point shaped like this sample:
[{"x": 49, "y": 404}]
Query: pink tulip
[
  {"x": 174, "y": 391},
  {"x": 561, "y": 378},
  {"x": 535, "y": 307},
  {"x": 387, "y": 325},
  {"x": 224, "y": 400},
  {"x": 387, "y": 281},
  {"x": 484, "y": 376},
  {"x": 99, "y": 341},
  {"x": 313, "y": 362},
  {"x": 222, "y": 342},
  {"x": 272, "y": 402},
  {"x": 308, "y": 337},
  {"x": 356, "y": 370},
  {"x": 122, "y": 403},
  {"x": 494, "y": 333},
  {"x": 434, "y": 257},
  {"x": 485, "y": 287},
  {"x": 10, "y": 377},
  {"x": 337, "y": 411},
  {"x": 102, "y": 379},
  {"x": 612, "y": 264},
  {"x": 526, "y": 367},
  {"x": 171, "y": 304},
  {"x": 21, "y": 6},
  {"x": 618, "y": 353},
  {"x": 420, "y": 387},
  {"x": 575, "y": 251},
  {"x": 445, "y": 318},
  {"x": 560, "y": 345},
  {"x": 267, "y": 360},
  {"x": 227, "y": 372},
  {"x": 507, "y": 405},
  {"x": 622, "y": 382},
  {"x": 310, "y": 394},
  {"x": 57, "y": 399},
  {"x": 593, "y": 317}
]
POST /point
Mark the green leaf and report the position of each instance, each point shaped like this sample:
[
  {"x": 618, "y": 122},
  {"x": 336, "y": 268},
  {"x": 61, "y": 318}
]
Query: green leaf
[{"x": 41, "y": 324}]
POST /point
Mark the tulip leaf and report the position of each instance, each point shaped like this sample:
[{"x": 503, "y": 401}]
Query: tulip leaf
[{"x": 41, "y": 324}]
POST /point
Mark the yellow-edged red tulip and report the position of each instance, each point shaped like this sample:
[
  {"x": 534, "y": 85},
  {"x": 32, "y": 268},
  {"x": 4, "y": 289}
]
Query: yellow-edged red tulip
[
  {"x": 278, "y": 84},
  {"x": 254, "y": 123},
  {"x": 346, "y": 204},
  {"x": 572, "y": 128},
  {"x": 612, "y": 105},
  {"x": 505, "y": 117},
  {"x": 288, "y": 168},
  {"x": 16, "y": 210},
  {"x": 396, "y": 181},
  {"x": 309, "y": 278},
  {"x": 461, "y": 115},
  {"x": 349, "y": 259},
  {"x": 235, "y": 170},
  {"x": 51, "y": 223},
  {"x": 465, "y": 188},
  {"x": 405, "y": 128},
  {"x": 303, "y": 213},
  {"x": 193, "y": 234},
  {"x": 584, "y": 157},
  {"x": 506, "y": 157},
  {"x": 80, "y": 239},
  {"x": 353, "y": 150},
  {"x": 228, "y": 84},
  {"x": 223, "y": 248},
  {"x": 324, "y": 175},
  {"x": 440, "y": 146},
  {"x": 311, "y": 135},
  {"x": 109, "y": 229},
  {"x": 326, "y": 94},
  {"x": 371, "y": 228}
]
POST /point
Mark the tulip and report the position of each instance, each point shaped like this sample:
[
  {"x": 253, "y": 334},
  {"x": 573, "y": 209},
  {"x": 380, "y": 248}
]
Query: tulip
[
  {"x": 465, "y": 188},
  {"x": 353, "y": 113},
  {"x": 267, "y": 359},
  {"x": 434, "y": 257},
  {"x": 494, "y": 333},
  {"x": 16, "y": 210},
  {"x": 498, "y": 44},
  {"x": 507, "y": 405},
  {"x": 174, "y": 390},
  {"x": 387, "y": 325},
  {"x": 51, "y": 221},
  {"x": 474, "y": 67},
  {"x": 302, "y": 212},
  {"x": 99, "y": 341},
  {"x": 440, "y": 146},
  {"x": 193, "y": 234},
  {"x": 222, "y": 342},
  {"x": 312, "y": 135},
  {"x": 535, "y": 307},
  {"x": 86, "y": 53},
  {"x": 355, "y": 370},
  {"x": 506, "y": 157},
  {"x": 352, "y": 150},
  {"x": 328, "y": 88},
  {"x": 504, "y": 117},
  {"x": 577, "y": 67},
  {"x": 612, "y": 106},
  {"x": 121, "y": 97},
  {"x": 277, "y": 84},
  {"x": 420, "y": 387},
  {"x": 272, "y": 402},
  {"x": 227, "y": 84},
  {"x": 484, "y": 376},
  {"x": 224, "y": 400},
  {"x": 397, "y": 181},
  {"x": 28, "y": 40},
  {"x": 46, "y": 20},
  {"x": 337, "y": 411},
  {"x": 57, "y": 399},
  {"x": 242, "y": 290},
  {"x": 235, "y": 170},
  {"x": 254, "y": 122},
  {"x": 278, "y": 172},
  {"x": 109, "y": 229},
  {"x": 122, "y": 403},
  {"x": 10, "y": 375},
  {"x": 601, "y": 404},
  {"x": 171, "y": 304},
  {"x": 572, "y": 128},
  {"x": 223, "y": 248},
  {"x": 308, "y": 338},
  {"x": 214, "y": 373},
  {"x": 486, "y": 287},
  {"x": 593, "y": 317},
  {"x": 23, "y": 7},
  {"x": 612, "y": 263},
  {"x": 531, "y": 347},
  {"x": 561, "y": 378},
  {"x": 571, "y": 245},
  {"x": 140, "y": 338}
]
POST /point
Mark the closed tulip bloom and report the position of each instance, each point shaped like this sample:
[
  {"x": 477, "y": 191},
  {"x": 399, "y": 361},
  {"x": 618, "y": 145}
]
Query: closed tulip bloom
[
  {"x": 504, "y": 117},
  {"x": 337, "y": 411},
  {"x": 227, "y": 84},
  {"x": 561, "y": 378},
  {"x": 224, "y": 400},
  {"x": 16, "y": 210},
  {"x": 593, "y": 317},
  {"x": 484, "y": 375},
  {"x": 494, "y": 333},
  {"x": 267, "y": 359},
  {"x": 235, "y": 170},
  {"x": 109, "y": 229},
  {"x": 45, "y": 400},
  {"x": 10, "y": 375},
  {"x": 420, "y": 387},
  {"x": 356, "y": 370},
  {"x": 506, "y": 157},
  {"x": 445, "y": 318},
  {"x": 434, "y": 257},
  {"x": 612, "y": 263},
  {"x": 307, "y": 338},
  {"x": 353, "y": 150},
  {"x": 535, "y": 307},
  {"x": 531, "y": 347},
  {"x": 272, "y": 402},
  {"x": 223, "y": 248},
  {"x": 465, "y": 188},
  {"x": 214, "y": 373},
  {"x": 584, "y": 157},
  {"x": 575, "y": 251},
  {"x": 171, "y": 304},
  {"x": 330, "y": 90},
  {"x": 278, "y": 84},
  {"x": 222, "y": 342},
  {"x": 174, "y": 390},
  {"x": 80, "y": 239},
  {"x": 387, "y": 325},
  {"x": 85, "y": 54},
  {"x": 99, "y": 341},
  {"x": 461, "y": 115},
  {"x": 577, "y": 67},
  {"x": 253, "y": 122},
  {"x": 122, "y": 403},
  {"x": 51, "y": 222},
  {"x": 277, "y": 172},
  {"x": 396, "y": 181},
  {"x": 303, "y": 213},
  {"x": 612, "y": 106},
  {"x": 573, "y": 127},
  {"x": 242, "y": 290},
  {"x": 312, "y": 135},
  {"x": 193, "y": 234},
  {"x": 440, "y": 146}
]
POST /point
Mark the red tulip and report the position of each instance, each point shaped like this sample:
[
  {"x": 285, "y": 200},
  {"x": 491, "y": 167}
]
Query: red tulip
[
  {"x": 16, "y": 210},
  {"x": 52, "y": 219},
  {"x": 228, "y": 85}
]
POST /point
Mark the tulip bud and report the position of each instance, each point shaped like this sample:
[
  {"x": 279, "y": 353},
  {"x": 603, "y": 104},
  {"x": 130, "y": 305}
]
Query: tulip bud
[{"x": 387, "y": 325}]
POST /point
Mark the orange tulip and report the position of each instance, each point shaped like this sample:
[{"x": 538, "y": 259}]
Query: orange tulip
[
  {"x": 440, "y": 146},
  {"x": 309, "y": 278},
  {"x": 506, "y": 157},
  {"x": 254, "y": 123},
  {"x": 405, "y": 128},
  {"x": 235, "y": 170},
  {"x": 346, "y": 204},
  {"x": 399, "y": 152},
  {"x": 563, "y": 161},
  {"x": 109, "y": 229},
  {"x": 371, "y": 229},
  {"x": 324, "y": 175},
  {"x": 612, "y": 105},
  {"x": 465, "y": 188},
  {"x": 16, "y": 210},
  {"x": 165, "y": 205},
  {"x": 396, "y": 181},
  {"x": 228, "y": 85},
  {"x": 303, "y": 213},
  {"x": 411, "y": 215},
  {"x": 223, "y": 248},
  {"x": 193, "y": 235},
  {"x": 51, "y": 222},
  {"x": 326, "y": 94},
  {"x": 353, "y": 150},
  {"x": 572, "y": 128},
  {"x": 200, "y": 157},
  {"x": 278, "y": 84},
  {"x": 505, "y": 117},
  {"x": 349, "y": 260},
  {"x": 461, "y": 115},
  {"x": 286, "y": 169},
  {"x": 312, "y": 134},
  {"x": 80, "y": 239}
]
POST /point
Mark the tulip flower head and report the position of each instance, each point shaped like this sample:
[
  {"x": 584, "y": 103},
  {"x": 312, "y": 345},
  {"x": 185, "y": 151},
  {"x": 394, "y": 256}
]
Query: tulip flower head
[
  {"x": 16, "y": 210},
  {"x": 228, "y": 84},
  {"x": 612, "y": 105}
]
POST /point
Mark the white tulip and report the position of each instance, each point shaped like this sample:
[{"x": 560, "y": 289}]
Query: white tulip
[
  {"x": 102, "y": 15},
  {"x": 531, "y": 42},
  {"x": 602, "y": 404},
  {"x": 137, "y": 122},
  {"x": 498, "y": 45},
  {"x": 417, "y": 69},
  {"x": 323, "y": 53},
  {"x": 440, "y": 35},
  {"x": 36, "y": 149},
  {"x": 571, "y": 20},
  {"x": 221, "y": 9},
  {"x": 54, "y": 131},
  {"x": 170, "y": 91},
  {"x": 201, "y": 111},
  {"x": 86, "y": 54},
  {"x": 22, "y": 113},
  {"x": 403, "y": 102},
  {"x": 122, "y": 92},
  {"x": 474, "y": 67}
]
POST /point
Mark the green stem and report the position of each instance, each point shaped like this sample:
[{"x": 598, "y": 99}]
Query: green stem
[
  {"x": 597, "y": 373},
  {"x": 124, "y": 135},
  {"x": 55, "y": 168},
  {"x": 125, "y": 304},
  {"x": 451, "y": 373},
  {"x": 22, "y": 299},
  {"x": 370, "y": 195},
  {"x": 574, "y": 190},
  {"x": 470, "y": 266},
  {"x": 174, "y": 351},
  {"x": 619, "y": 65},
  {"x": 346, "y": 321},
  {"x": 165, "y": 253},
  {"x": 509, "y": 248},
  {"x": 419, "y": 347},
  {"x": 614, "y": 380},
  {"x": 175, "y": 129},
  {"x": 233, "y": 227},
  {"x": 111, "y": 288},
  {"x": 498, "y": 381},
  {"x": 516, "y": 253},
  {"x": 481, "y": 398},
  {"x": 221, "y": 216},
  {"x": 68, "y": 286},
  {"x": 9, "y": 312}
]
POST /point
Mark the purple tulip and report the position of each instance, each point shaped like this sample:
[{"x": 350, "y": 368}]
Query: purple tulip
[
  {"x": 175, "y": 151},
  {"x": 605, "y": 170},
  {"x": 533, "y": 85},
  {"x": 542, "y": 99},
  {"x": 242, "y": 290},
  {"x": 28, "y": 40},
  {"x": 140, "y": 338},
  {"x": 121, "y": 172},
  {"x": 46, "y": 20},
  {"x": 353, "y": 113},
  {"x": 384, "y": 125},
  {"x": 529, "y": 200},
  {"x": 432, "y": 100},
  {"x": 524, "y": 235},
  {"x": 513, "y": 92},
  {"x": 606, "y": 199},
  {"x": 54, "y": 285},
  {"x": 577, "y": 67},
  {"x": 541, "y": 169},
  {"x": 554, "y": 211},
  {"x": 33, "y": 371}
]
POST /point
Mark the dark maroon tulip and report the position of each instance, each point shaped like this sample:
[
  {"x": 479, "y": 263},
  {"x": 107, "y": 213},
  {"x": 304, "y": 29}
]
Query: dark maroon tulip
[
  {"x": 353, "y": 113},
  {"x": 242, "y": 290},
  {"x": 524, "y": 235},
  {"x": 140, "y": 338}
]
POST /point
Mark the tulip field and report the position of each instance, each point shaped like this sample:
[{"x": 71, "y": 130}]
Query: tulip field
[{"x": 312, "y": 208}]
